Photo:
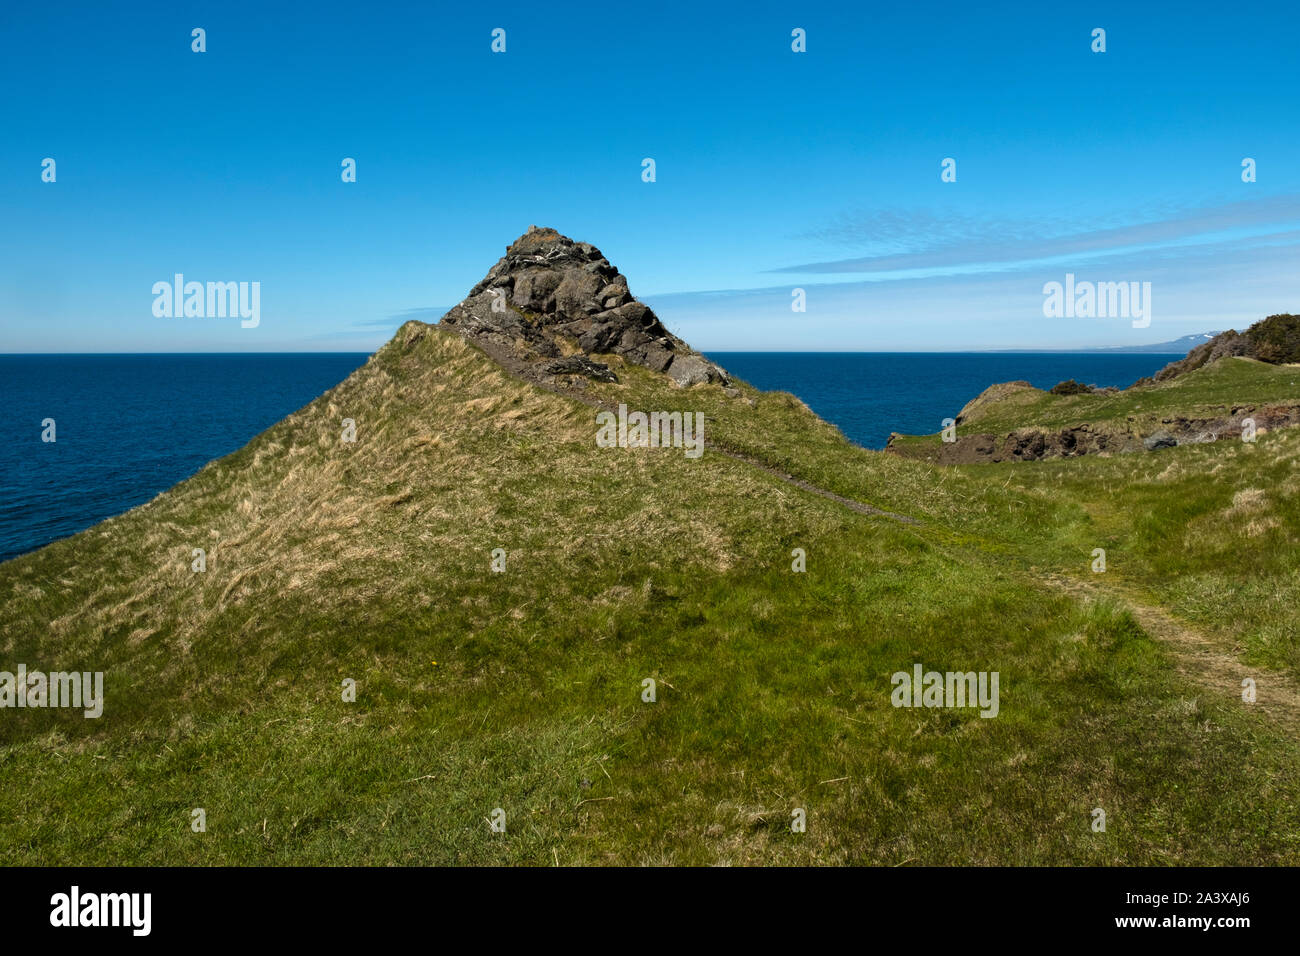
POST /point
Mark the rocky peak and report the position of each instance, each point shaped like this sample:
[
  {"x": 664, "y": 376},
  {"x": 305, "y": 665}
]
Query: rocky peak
[{"x": 551, "y": 307}]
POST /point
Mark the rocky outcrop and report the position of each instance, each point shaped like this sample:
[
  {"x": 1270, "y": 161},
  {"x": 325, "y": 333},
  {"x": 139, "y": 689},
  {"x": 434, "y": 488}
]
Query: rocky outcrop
[
  {"x": 551, "y": 307},
  {"x": 1161, "y": 439},
  {"x": 1023, "y": 444},
  {"x": 1032, "y": 444},
  {"x": 1275, "y": 340}
]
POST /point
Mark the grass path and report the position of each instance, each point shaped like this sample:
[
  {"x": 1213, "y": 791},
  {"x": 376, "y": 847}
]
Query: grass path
[
  {"x": 1198, "y": 658},
  {"x": 808, "y": 486},
  {"x": 514, "y": 369}
]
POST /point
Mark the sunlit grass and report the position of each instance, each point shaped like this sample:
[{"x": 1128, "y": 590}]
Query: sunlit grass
[{"x": 523, "y": 690}]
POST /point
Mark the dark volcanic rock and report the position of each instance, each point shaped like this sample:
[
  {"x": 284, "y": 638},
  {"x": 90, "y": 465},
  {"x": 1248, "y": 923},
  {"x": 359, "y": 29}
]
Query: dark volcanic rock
[
  {"x": 577, "y": 365},
  {"x": 1028, "y": 444},
  {"x": 549, "y": 296},
  {"x": 1275, "y": 339}
]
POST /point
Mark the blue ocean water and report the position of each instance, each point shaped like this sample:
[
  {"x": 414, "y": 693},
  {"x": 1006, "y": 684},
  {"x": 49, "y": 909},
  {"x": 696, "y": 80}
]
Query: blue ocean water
[
  {"x": 131, "y": 426},
  {"x": 870, "y": 394}
]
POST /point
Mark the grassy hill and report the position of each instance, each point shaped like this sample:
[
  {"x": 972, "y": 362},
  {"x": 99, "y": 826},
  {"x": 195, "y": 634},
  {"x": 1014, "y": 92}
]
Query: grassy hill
[
  {"x": 1210, "y": 391},
  {"x": 522, "y": 690},
  {"x": 1211, "y": 400}
]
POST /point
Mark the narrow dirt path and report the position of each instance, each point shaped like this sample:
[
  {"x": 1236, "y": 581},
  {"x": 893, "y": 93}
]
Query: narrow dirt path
[
  {"x": 849, "y": 503},
  {"x": 517, "y": 370},
  {"x": 1202, "y": 660},
  {"x": 858, "y": 506}
]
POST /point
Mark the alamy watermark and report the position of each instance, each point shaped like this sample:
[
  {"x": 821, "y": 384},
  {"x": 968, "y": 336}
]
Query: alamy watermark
[
  {"x": 215, "y": 300},
  {"x": 56, "y": 689},
  {"x": 1098, "y": 300},
  {"x": 75, "y": 908},
  {"x": 923, "y": 688},
  {"x": 653, "y": 430}
]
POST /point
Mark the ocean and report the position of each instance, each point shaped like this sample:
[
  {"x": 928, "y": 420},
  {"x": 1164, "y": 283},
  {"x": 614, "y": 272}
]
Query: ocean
[
  {"x": 130, "y": 426},
  {"x": 870, "y": 394}
]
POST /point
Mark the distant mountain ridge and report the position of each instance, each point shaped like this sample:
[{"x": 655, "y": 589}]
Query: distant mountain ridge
[
  {"x": 1274, "y": 339},
  {"x": 1179, "y": 346}
]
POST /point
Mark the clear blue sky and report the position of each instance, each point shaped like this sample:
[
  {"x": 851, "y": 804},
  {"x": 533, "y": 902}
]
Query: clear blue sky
[{"x": 775, "y": 170}]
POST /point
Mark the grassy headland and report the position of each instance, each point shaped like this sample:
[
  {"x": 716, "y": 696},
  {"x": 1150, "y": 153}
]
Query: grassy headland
[{"x": 522, "y": 690}]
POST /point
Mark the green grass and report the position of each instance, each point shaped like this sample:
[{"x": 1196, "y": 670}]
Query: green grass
[
  {"x": 372, "y": 561},
  {"x": 1211, "y": 391},
  {"x": 1212, "y": 531}
]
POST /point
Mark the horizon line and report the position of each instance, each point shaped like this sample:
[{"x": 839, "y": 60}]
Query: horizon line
[{"x": 1081, "y": 350}]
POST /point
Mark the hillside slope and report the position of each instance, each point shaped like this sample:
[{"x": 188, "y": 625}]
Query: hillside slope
[
  {"x": 1274, "y": 339},
  {"x": 524, "y": 689}
]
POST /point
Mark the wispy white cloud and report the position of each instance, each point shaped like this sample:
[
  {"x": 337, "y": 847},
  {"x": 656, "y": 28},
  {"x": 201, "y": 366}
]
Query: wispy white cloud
[
  {"x": 428, "y": 313},
  {"x": 1214, "y": 285},
  {"x": 948, "y": 242}
]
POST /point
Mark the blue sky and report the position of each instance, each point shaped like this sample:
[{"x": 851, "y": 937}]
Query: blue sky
[{"x": 775, "y": 169}]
